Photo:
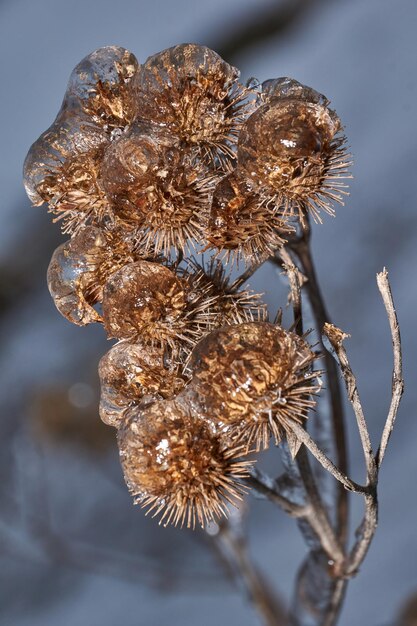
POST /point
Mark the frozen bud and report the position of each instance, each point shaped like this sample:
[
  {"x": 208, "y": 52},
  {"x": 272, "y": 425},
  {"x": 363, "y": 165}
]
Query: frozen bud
[
  {"x": 196, "y": 94},
  {"x": 242, "y": 223},
  {"x": 157, "y": 188},
  {"x": 175, "y": 464},
  {"x": 61, "y": 168},
  {"x": 294, "y": 153},
  {"x": 143, "y": 299},
  {"x": 129, "y": 372},
  {"x": 254, "y": 378},
  {"x": 75, "y": 275},
  {"x": 103, "y": 84},
  {"x": 149, "y": 301}
]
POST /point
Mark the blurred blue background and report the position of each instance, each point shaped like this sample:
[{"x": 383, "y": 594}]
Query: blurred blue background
[{"x": 73, "y": 549}]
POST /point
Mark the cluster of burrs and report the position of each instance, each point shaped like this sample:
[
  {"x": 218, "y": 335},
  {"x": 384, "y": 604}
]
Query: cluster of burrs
[{"x": 143, "y": 163}]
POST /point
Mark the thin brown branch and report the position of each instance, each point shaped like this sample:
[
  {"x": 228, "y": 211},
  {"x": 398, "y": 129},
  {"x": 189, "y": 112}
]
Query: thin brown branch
[
  {"x": 367, "y": 529},
  {"x": 324, "y": 460},
  {"x": 266, "y": 487},
  {"x": 336, "y": 602},
  {"x": 248, "y": 273},
  {"x": 317, "y": 516},
  {"x": 364, "y": 535},
  {"x": 312, "y": 512},
  {"x": 336, "y": 338},
  {"x": 397, "y": 375}
]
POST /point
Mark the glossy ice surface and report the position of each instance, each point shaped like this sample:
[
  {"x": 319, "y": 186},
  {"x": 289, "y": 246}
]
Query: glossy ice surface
[
  {"x": 256, "y": 376},
  {"x": 129, "y": 372},
  {"x": 74, "y": 275},
  {"x": 145, "y": 299},
  {"x": 175, "y": 465}
]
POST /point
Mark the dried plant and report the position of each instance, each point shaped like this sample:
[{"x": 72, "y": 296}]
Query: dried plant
[
  {"x": 256, "y": 378},
  {"x": 144, "y": 163},
  {"x": 177, "y": 465}
]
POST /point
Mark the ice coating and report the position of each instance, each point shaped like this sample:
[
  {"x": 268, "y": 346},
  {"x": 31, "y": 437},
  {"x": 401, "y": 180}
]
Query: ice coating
[
  {"x": 62, "y": 166},
  {"x": 132, "y": 161},
  {"x": 290, "y": 148},
  {"x": 47, "y": 167},
  {"x": 240, "y": 220},
  {"x": 285, "y": 87},
  {"x": 129, "y": 372},
  {"x": 80, "y": 267},
  {"x": 193, "y": 91},
  {"x": 143, "y": 299},
  {"x": 103, "y": 84},
  {"x": 156, "y": 186},
  {"x": 176, "y": 466},
  {"x": 74, "y": 276},
  {"x": 255, "y": 376}
]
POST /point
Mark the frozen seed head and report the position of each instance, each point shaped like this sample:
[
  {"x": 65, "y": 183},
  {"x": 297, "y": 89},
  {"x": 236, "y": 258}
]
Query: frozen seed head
[
  {"x": 196, "y": 94},
  {"x": 62, "y": 166},
  {"x": 103, "y": 86},
  {"x": 80, "y": 267},
  {"x": 75, "y": 275},
  {"x": 157, "y": 189},
  {"x": 130, "y": 373},
  {"x": 144, "y": 300},
  {"x": 177, "y": 467},
  {"x": 255, "y": 379},
  {"x": 294, "y": 153},
  {"x": 75, "y": 279},
  {"x": 242, "y": 223},
  {"x": 148, "y": 301}
]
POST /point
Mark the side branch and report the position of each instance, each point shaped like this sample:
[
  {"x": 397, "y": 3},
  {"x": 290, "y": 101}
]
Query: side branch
[
  {"x": 324, "y": 460},
  {"x": 397, "y": 375},
  {"x": 336, "y": 338}
]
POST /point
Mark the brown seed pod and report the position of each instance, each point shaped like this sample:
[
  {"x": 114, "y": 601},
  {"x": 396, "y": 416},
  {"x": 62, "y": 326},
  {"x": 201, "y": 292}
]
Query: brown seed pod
[
  {"x": 129, "y": 373},
  {"x": 294, "y": 154},
  {"x": 159, "y": 191},
  {"x": 254, "y": 378},
  {"x": 193, "y": 91},
  {"x": 74, "y": 275},
  {"x": 103, "y": 85},
  {"x": 177, "y": 466},
  {"x": 62, "y": 166},
  {"x": 144, "y": 300},
  {"x": 149, "y": 301},
  {"x": 80, "y": 267},
  {"x": 243, "y": 224}
]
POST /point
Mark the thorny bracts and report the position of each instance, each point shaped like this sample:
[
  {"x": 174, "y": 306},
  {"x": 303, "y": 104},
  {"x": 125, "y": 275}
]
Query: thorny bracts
[{"x": 143, "y": 164}]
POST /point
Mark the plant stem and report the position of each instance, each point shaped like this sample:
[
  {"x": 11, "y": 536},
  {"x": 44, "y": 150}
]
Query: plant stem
[{"x": 301, "y": 248}]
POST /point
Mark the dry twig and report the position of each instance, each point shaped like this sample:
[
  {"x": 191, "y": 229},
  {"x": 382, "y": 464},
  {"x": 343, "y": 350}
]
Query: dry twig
[{"x": 397, "y": 375}]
